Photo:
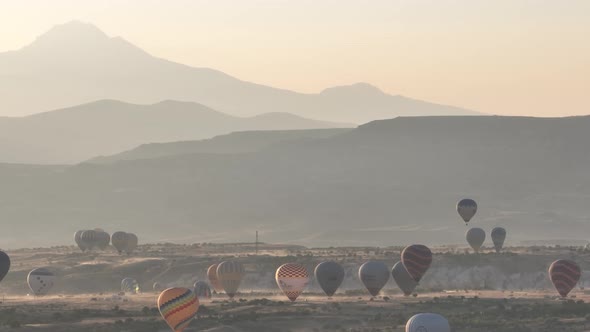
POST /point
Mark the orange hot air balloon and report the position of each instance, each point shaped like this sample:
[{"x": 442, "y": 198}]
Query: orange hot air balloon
[
  {"x": 564, "y": 275},
  {"x": 292, "y": 279},
  {"x": 213, "y": 280},
  {"x": 178, "y": 306}
]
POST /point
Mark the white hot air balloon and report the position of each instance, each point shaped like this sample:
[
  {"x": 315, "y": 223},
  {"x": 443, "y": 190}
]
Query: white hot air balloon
[
  {"x": 428, "y": 323},
  {"x": 40, "y": 281}
]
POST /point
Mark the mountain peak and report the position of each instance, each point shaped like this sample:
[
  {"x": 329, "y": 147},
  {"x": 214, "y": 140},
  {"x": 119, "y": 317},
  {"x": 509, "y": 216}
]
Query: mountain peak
[
  {"x": 356, "y": 88},
  {"x": 71, "y": 32}
]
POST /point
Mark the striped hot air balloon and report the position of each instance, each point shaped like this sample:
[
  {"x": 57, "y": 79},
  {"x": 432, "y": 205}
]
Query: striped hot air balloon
[
  {"x": 564, "y": 275},
  {"x": 292, "y": 279},
  {"x": 213, "y": 280},
  {"x": 178, "y": 306},
  {"x": 417, "y": 259},
  {"x": 130, "y": 285},
  {"x": 230, "y": 276},
  {"x": 202, "y": 290}
]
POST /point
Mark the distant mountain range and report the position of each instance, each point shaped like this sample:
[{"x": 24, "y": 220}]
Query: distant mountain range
[
  {"x": 107, "y": 127},
  {"x": 390, "y": 182},
  {"x": 76, "y": 63}
]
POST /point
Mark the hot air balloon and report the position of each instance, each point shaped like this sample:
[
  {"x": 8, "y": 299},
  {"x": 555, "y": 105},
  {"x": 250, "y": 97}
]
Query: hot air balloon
[
  {"x": 78, "y": 240},
  {"x": 4, "y": 265},
  {"x": 119, "y": 241},
  {"x": 564, "y": 275},
  {"x": 417, "y": 259},
  {"x": 374, "y": 276},
  {"x": 498, "y": 237},
  {"x": 428, "y": 323},
  {"x": 292, "y": 279},
  {"x": 157, "y": 286},
  {"x": 403, "y": 279},
  {"x": 130, "y": 285},
  {"x": 330, "y": 276},
  {"x": 212, "y": 276},
  {"x": 103, "y": 239},
  {"x": 475, "y": 237},
  {"x": 89, "y": 239},
  {"x": 40, "y": 281},
  {"x": 202, "y": 290},
  {"x": 230, "y": 275},
  {"x": 467, "y": 209},
  {"x": 131, "y": 243},
  {"x": 178, "y": 306}
]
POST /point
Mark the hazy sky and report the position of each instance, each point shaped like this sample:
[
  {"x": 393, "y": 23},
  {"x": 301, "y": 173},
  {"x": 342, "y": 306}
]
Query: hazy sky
[{"x": 496, "y": 56}]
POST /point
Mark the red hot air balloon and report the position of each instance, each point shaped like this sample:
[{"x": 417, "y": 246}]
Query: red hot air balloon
[
  {"x": 564, "y": 275},
  {"x": 417, "y": 259}
]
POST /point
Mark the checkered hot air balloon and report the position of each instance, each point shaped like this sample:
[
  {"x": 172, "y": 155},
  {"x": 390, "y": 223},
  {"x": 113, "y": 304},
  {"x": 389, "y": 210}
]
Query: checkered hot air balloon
[
  {"x": 292, "y": 278},
  {"x": 178, "y": 306}
]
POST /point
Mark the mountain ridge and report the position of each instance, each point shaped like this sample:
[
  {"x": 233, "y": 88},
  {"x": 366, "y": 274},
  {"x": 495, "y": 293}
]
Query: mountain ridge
[
  {"x": 113, "y": 68},
  {"x": 105, "y": 127}
]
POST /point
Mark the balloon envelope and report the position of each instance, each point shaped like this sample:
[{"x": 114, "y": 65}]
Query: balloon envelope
[
  {"x": 498, "y": 237},
  {"x": 102, "y": 240},
  {"x": 89, "y": 239},
  {"x": 467, "y": 209},
  {"x": 230, "y": 276},
  {"x": 374, "y": 275},
  {"x": 78, "y": 240},
  {"x": 475, "y": 237},
  {"x": 212, "y": 276},
  {"x": 130, "y": 285},
  {"x": 119, "y": 241},
  {"x": 417, "y": 259},
  {"x": 40, "y": 281},
  {"x": 157, "y": 287},
  {"x": 178, "y": 306},
  {"x": 330, "y": 276},
  {"x": 428, "y": 323},
  {"x": 564, "y": 275},
  {"x": 202, "y": 290},
  {"x": 403, "y": 279},
  {"x": 4, "y": 264},
  {"x": 131, "y": 243},
  {"x": 292, "y": 279}
]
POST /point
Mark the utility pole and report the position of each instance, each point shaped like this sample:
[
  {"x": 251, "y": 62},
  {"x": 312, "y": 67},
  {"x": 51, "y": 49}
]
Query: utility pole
[{"x": 256, "y": 242}]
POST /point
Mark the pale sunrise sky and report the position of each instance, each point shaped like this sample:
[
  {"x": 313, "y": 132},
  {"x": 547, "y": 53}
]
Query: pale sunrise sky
[{"x": 512, "y": 57}]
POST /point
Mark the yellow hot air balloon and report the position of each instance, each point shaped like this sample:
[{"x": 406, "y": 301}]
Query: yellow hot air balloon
[
  {"x": 212, "y": 276},
  {"x": 230, "y": 276},
  {"x": 292, "y": 279},
  {"x": 178, "y": 306}
]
